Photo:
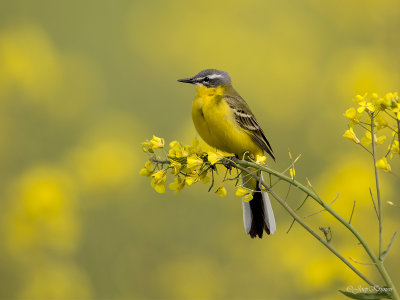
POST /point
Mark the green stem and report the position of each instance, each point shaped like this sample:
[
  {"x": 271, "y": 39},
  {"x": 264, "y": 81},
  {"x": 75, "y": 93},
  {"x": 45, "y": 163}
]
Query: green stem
[
  {"x": 379, "y": 265},
  {"x": 378, "y": 193},
  {"x": 398, "y": 131}
]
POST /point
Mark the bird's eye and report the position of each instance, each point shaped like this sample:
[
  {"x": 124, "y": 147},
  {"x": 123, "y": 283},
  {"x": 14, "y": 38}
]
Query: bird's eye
[{"x": 206, "y": 79}]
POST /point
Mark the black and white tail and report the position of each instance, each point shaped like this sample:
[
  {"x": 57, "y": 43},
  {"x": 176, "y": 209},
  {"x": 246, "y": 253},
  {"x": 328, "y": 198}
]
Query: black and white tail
[{"x": 257, "y": 214}]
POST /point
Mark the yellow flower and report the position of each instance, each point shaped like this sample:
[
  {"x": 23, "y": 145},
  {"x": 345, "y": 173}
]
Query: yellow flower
[
  {"x": 386, "y": 101},
  {"x": 352, "y": 115},
  {"x": 158, "y": 181},
  {"x": 175, "y": 167},
  {"x": 154, "y": 143},
  {"x": 177, "y": 150},
  {"x": 380, "y": 122},
  {"x": 146, "y": 147},
  {"x": 189, "y": 180},
  {"x": 194, "y": 162},
  {"x": 394, "y": 148},
  {"x": 248, "y": 197},
  {"x": 157, "y": 143},
  {"x": 178, "y": 184},
  {"x": 214, "y": 156},
  {"x": 221, "y": 191},
  {"x": 383, "y": 164},
  {"x": 260, "y": 159},
  {"x": 204, "y": 178},
  {"x": 195, "y": 147},
  {"x": 396, "y": 110},
  {"x": 367, "y": 139},
  {"x": 147, "y": 170},
  {"x": 240, "y": 192},
  {"x": 360, "y": 98},
  {"x": 391, "y": 98},
  {"x": 292, "y": 173},
  {"x": 365, "y": 105},
  {"x": 350, "y": 134},
  {"x": 381, "y": 139}
]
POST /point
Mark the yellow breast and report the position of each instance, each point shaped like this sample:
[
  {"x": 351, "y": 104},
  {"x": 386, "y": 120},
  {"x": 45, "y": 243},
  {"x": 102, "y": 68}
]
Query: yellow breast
[{"x": 215, "y": 123}]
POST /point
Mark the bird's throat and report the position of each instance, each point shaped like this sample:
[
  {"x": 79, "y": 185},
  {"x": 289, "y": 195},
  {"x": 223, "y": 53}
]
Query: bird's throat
[{"x": 204, "y": 91}]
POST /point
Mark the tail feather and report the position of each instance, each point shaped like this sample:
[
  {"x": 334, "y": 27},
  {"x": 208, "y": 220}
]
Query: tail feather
[
  {"x": 258, "y": 214},
  {"x": 258, "y": 219}
]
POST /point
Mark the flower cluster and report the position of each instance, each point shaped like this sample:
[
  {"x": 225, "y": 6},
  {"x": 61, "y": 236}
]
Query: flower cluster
[
  {"x": 375, "y": 116},
  {"x": 189, "y": 164}
]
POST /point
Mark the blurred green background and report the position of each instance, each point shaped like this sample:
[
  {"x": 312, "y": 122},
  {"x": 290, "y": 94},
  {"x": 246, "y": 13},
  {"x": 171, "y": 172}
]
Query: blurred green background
[{"x": 82, "y": 83}]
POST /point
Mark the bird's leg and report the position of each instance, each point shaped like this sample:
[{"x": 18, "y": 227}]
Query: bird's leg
[{"x": 230, "y": 161}]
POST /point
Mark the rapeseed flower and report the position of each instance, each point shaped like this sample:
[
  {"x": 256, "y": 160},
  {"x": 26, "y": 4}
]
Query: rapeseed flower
[
  {"x": 383, "y": 164},
  {"x": 147, "y": 170},
  {"x": 367, "y": 139},
  {"x": 350, "y": 134},
  {"x": 245, "y": 193},
  {"x": 365, "y": 106},
  {"x": 158, "y": 181},
  {"x": 214, "y": 156},
  {"x": 221, "y": 191},
  {"x": 260, "y": 159},
  {"x": 192, "y": 178},
  {"x": 177, "y": 150},
  {"x": 394, "y": 148},
  {"x": 194, "y": 162},
  {"x": 175, "y": 167},
  {"x": 352, "y": 115},
  {"x": 292, "y": 172},
  {"x": 178, "y": 184}
]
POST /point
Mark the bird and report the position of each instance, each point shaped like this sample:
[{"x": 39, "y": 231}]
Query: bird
[{"x": 224, "y": 121}]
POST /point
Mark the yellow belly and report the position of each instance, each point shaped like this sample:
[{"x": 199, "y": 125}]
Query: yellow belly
[{"x": 215, "y": 123}]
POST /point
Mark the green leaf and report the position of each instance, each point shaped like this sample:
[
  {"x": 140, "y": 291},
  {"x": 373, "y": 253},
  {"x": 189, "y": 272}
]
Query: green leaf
[{"x": 380, "y": 294}]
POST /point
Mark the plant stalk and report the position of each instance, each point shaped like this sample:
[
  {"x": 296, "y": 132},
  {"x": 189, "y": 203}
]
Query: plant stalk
[{"x": 378, "y": 193}]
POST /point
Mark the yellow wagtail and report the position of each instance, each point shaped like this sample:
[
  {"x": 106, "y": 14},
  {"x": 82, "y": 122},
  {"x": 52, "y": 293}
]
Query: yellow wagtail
[{"x": 224, "y": 121}]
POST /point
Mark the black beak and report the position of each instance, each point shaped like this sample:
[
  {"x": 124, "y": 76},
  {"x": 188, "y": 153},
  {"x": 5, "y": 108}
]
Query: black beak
[{"x": 187, "y": 80}]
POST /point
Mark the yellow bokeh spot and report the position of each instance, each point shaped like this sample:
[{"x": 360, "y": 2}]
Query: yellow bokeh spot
[
  {"x": 41, "y": 213},
  {"x": 105, "y": 163},
  {"x": 28, "y": 62},
  {"x": 350, "y": 177}
]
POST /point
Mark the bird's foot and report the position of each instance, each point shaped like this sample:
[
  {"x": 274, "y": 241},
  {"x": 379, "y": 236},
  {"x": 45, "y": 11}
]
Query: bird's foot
[{"x": 230, "y": 161}]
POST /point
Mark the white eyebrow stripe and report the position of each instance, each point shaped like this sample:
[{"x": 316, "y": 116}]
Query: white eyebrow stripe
[{"x": 213, "y": 76}]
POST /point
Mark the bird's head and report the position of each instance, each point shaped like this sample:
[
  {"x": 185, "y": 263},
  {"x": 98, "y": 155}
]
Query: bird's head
[{"x": 210, "y": 78}]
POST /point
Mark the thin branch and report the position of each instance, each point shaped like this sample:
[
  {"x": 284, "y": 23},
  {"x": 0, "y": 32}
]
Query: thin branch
[
  {"x": 389, "y": 246},
  {"x": 378, "y": 193},
  {"x": 362, "y": 263},
  {"x": 288, "y": 192},
  {"x": 398, "y": 130},
  {"x": 304, "y": 201},
  {"x": 373, "y": 202},
  {"x": 390, "y": 115},
  {"x": 291, "y": 225},
  {"x": 365, "y": 148},
  {"x": 364, "y": 126},
  {"x": 337, "y": 196},
  {"x": 352, "y": 211},
  {"x": 390, "y": 146}
]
